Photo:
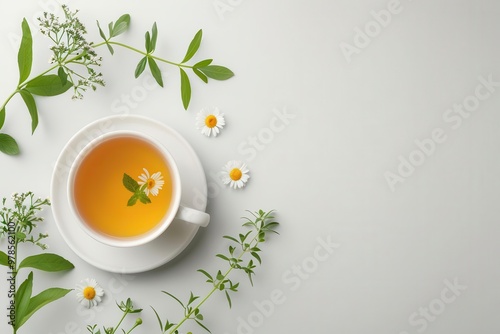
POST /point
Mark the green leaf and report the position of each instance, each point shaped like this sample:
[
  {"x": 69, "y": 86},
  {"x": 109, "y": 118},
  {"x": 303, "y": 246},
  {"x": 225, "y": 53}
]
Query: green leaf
[
  {"x": 158, "y": 317},
  {"x": 231, "y": 238},
  {"x": 110, "y": 27},
  {"x": 174, "y": 297},
  {"x": 200, "y": 75},
  {"x": 22, "y": 299},
  {"x": 37, "y": 302},
  {"x": 61, "y": 73},
  {"x": 140, "y": 67},
  {"x": 228, "y": 299},
  {"x": 110, "y": 48},
  {"x": 132, "y": 200},
  {"x": 8, "y": 145},
  {"x": 217, "y": 72},
  {"x": 222, "y": 257},
  {"x": 192, "y": 298},
  {"x": 47, "y": 262},
  {"x": 154, "y": 37},
  {"x": 101, "y": 32},
  {"x": 2, "y": 117},
  {"x": 185, "y": 89},
  {"x": 130, "y": 183},
  {"x": 147, "y": 42},
  {"x": 155, "y": 71},
  {"x": 193, "y": 46},
  {"x": 47, "y": 85},
  {"x": 203, "y": 326},
  {"x": 144, "y": 198},
  {"x": 257, "y": 256},
  {"x": 4, "y": 259},
  {"x": 210, "y": 278},
  {"x": 121, "y": 25},
  {"x": 25, "y": 54},
  {"x": 203, "y": 63},
  {"x": 31, "y": 104}
]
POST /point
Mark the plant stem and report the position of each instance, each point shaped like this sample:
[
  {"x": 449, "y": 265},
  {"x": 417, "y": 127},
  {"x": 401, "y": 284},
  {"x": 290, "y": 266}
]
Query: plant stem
[
  {"x": 215, "y": 288},
  {"x": 142, "y": 53},
  {"x": 25, "y": 83},
  {"x": 133, "y": 327},
  {"x": 120, "y": 322}
]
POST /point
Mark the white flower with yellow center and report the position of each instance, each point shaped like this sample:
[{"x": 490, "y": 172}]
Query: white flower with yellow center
[
  {"x": 154, "y": 183},
  {"x": 235, "y": 173},
  {"x": 89, "y": 293},
  {"x": 210, "y": 122}
]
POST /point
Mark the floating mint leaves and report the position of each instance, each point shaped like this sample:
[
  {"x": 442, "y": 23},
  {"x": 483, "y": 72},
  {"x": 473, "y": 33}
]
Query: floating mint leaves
[{"x": 139, "y": 191}]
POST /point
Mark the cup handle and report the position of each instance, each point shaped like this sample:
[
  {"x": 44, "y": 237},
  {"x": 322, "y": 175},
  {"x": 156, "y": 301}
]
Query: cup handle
[{"x": 193, "y": 216}]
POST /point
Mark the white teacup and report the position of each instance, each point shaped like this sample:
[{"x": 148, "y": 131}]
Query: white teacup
[{"x": 99, "y": 198}]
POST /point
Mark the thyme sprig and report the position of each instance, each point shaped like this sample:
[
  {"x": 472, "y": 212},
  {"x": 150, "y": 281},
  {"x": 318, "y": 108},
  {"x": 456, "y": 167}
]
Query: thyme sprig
[
  {"x": 127, "y": 308},
  {"x": 243, "y": 254}
]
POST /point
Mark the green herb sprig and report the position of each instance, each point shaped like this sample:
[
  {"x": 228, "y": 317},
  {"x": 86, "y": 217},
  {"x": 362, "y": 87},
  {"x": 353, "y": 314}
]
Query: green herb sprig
[
  {"x": 17, "y": 226},
  {"x": 74, "y": 64},
  {"x": 139, "y": 192},
  {"x": 127, "y": 308},
  {"x": 242, "y": 255}
]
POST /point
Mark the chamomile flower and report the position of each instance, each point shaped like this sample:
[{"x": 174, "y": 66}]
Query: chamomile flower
[
  {"x": 235, "y": 173},
  {"x": 89, "y": 293},
  {"x": 210, "y": 122},
  {"x": 154, "y": 183}
]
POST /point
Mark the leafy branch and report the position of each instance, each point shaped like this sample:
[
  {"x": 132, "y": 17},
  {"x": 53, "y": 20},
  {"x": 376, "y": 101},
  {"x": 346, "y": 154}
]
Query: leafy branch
[
  {"x": 127, "y": 308},
  {"x": 139, "y": 192},
  {"x": 74, "y": 62},
  {"x": 202, "y": 69},
  {"x": 17, "y": 225},
  {"x": 242, "y": 255}
]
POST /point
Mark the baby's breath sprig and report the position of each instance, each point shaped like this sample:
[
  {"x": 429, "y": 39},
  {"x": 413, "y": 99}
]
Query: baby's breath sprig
[
  {"x": 71, "y": 51},
  {"x": 243, "y": 255}
]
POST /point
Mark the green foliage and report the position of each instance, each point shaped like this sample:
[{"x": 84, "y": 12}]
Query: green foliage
[
  {"x": 2, "y": 117},
  {"x": 29, "y": 305},
  {"x": 240, "y": 256},
  {"x": 185, "y": 89},
  {"x": 126, "y": 308},
  {"x": 46, "y": 262},
  {"x": 17, "y": 225},
  {"x": 74, "y": 63},
  {"x": 193, "y": 46},
  {"x": 8, "y": 145},
  {"x": 139, "y": 191},
  {"x": 25, "y": 54},
  {"x": 49, "y": 84},
  {"x": 31, "y": 104}
]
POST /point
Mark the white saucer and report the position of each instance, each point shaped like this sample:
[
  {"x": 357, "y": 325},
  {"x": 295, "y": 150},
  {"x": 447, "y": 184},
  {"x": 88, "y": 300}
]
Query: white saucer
[{"x": 141, "y": 258}]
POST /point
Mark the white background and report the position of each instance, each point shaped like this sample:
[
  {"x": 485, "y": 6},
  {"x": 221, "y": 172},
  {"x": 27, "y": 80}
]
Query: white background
[{"x": 355, "y": 115}]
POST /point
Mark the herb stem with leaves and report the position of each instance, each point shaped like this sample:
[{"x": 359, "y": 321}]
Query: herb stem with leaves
[
  {"x": 242, "y": 255},
  {"x": 127, "y": 308},
  {"x": 17, "y": 225},
  {"x": 72, "y": 52}
]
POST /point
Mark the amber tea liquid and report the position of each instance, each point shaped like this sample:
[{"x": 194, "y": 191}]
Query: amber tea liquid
[{"x": 99, "y": 194}]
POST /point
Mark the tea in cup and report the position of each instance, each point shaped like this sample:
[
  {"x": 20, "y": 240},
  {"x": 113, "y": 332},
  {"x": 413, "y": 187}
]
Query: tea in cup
[{"x": 125, "y": 190}]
